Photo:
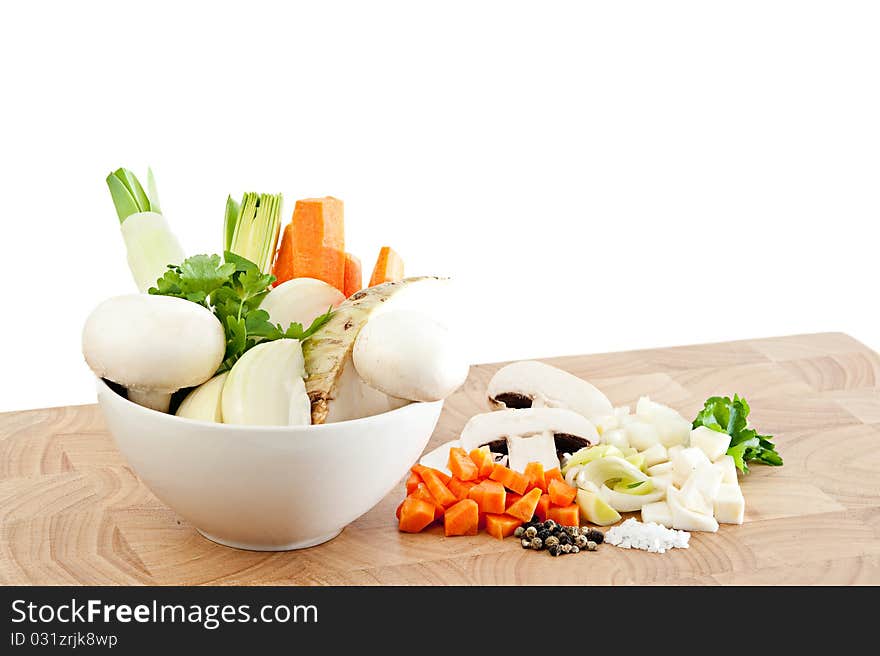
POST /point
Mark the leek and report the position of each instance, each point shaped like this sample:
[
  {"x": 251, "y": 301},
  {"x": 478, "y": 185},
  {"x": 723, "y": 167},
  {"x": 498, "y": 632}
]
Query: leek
[
  {"x": 251, "y": 229},
  {"x": 149, "y": 242}
]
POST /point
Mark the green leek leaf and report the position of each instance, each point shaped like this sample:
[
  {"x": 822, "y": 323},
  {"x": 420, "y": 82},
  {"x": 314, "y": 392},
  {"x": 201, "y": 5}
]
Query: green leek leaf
[
  {"x": 152, "y": 191},
  {"x": 135, "y": 189},
  {"x": 124, "y": 202}
]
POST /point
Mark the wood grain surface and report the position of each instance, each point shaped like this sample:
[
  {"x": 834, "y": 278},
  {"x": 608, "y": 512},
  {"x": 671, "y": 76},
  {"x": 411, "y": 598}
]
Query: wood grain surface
[{"x": 73, "y": 512}]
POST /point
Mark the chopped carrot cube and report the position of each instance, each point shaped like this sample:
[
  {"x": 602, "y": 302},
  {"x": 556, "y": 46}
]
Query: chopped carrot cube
[
  {"x": 561, "y": 493},
  {"x": 415, "y": 515},
  {"x": 501, "y": 526},
  {"x": 461, "y": 465},
  {"x": 566, "y": 515},
  {"x": 525, "y": 507},
  {"x": 462, "y": 519}
]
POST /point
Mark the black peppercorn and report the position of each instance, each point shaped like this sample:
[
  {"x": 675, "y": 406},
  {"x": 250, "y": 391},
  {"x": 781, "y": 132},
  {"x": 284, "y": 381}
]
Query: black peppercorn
[
  {"x": 596, "y": 536},
  {"x": 554, "y": 550},
  {"x": 543, "y": 533}
]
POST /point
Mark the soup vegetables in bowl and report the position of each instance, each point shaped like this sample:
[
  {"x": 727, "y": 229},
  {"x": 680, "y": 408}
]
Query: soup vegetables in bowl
[{"x": 270, "y": 415}]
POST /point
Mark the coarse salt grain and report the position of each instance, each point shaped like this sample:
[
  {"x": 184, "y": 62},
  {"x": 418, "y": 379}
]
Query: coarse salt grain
[{"x": 651, "y": 537}]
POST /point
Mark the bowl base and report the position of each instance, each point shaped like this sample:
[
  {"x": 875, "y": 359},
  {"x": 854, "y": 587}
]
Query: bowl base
[{"x": 304, "y": 544}]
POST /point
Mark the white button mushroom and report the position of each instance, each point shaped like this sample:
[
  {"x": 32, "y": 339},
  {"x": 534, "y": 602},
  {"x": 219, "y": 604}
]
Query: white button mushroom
[
  {"x": 410, "y": 356},
  {"x": 300, "y": 300},
  {"x": 153, "y": 345},
  {"x": 530, "y": 434},
  {"x": 530, "y": 384}
]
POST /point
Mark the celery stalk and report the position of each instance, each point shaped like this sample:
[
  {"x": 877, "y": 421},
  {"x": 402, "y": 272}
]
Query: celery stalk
[
  {"x": 251, "y": 229},
  {"x": 150, "y": 244}
]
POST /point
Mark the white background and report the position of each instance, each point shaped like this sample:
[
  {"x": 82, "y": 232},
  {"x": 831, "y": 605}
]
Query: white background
[{"x": 596, "y": 176}]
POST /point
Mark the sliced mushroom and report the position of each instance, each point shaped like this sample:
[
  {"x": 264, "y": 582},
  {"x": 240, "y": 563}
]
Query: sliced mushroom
[
  {"x": 530, "y": 434},
  {"x": 534, "y": 448},
  {"x": 531, "y": 384}
]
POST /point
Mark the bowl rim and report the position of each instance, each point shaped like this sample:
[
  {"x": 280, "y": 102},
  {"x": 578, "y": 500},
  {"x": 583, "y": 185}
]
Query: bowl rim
[{"x": 103, "y": 387}]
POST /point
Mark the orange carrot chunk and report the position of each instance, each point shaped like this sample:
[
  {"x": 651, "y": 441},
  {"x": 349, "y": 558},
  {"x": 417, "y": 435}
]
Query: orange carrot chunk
[
  {"x": 415, "y": 515},
  {"x": 438, "y": 488},
  {"x": 561, "y": 493},
  {"x": 413, "y": 481},
  {"x": 389, "y": 267},
  {"x": 519, "y": 483},
  {"x": 482, "y": 522},
  {"x": 490, "y": 496},
  {"x": 543, "y": 509},
  {"x": 566, "y": 515},
  {"x": 501, "y": 526},
  {"x": 535, "y": 473},
  {"x": 319, "y": 240},
  {"x": 550, "y": 474},
  {"x": 283, "y": 269},
  {"x": 461, "y": 465},
  {"x": 460, "y": 488},
  {"x": 354, "y": 280},
  {"x": 525, "y": 507},
  {"x": 510, "y": 499},
  {"x": 482, "y": 458},
  {"x": 421, "y": 469},
  {"x": 510, "y": 479},
  {"x": 462, "y": 519},
  {"x": 422, "y": 492}
]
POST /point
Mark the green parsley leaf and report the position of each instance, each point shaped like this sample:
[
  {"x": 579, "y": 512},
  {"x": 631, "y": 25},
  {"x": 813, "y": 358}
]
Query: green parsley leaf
[
  {"x": 725, "y": 416},
  {"x": 233, "y": 289}
]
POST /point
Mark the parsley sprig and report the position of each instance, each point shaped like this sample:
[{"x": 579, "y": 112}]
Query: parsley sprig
[
  {"x": 746, "y": 445},
  {"x": 232, "y": 288}
]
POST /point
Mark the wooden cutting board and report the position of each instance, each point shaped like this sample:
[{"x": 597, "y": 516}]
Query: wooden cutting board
[{"x": 72, "y": 511}]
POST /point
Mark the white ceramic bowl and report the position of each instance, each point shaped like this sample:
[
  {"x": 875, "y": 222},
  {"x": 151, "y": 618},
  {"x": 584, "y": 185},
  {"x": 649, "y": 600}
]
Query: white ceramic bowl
[{"x": 269, "y": 488}]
